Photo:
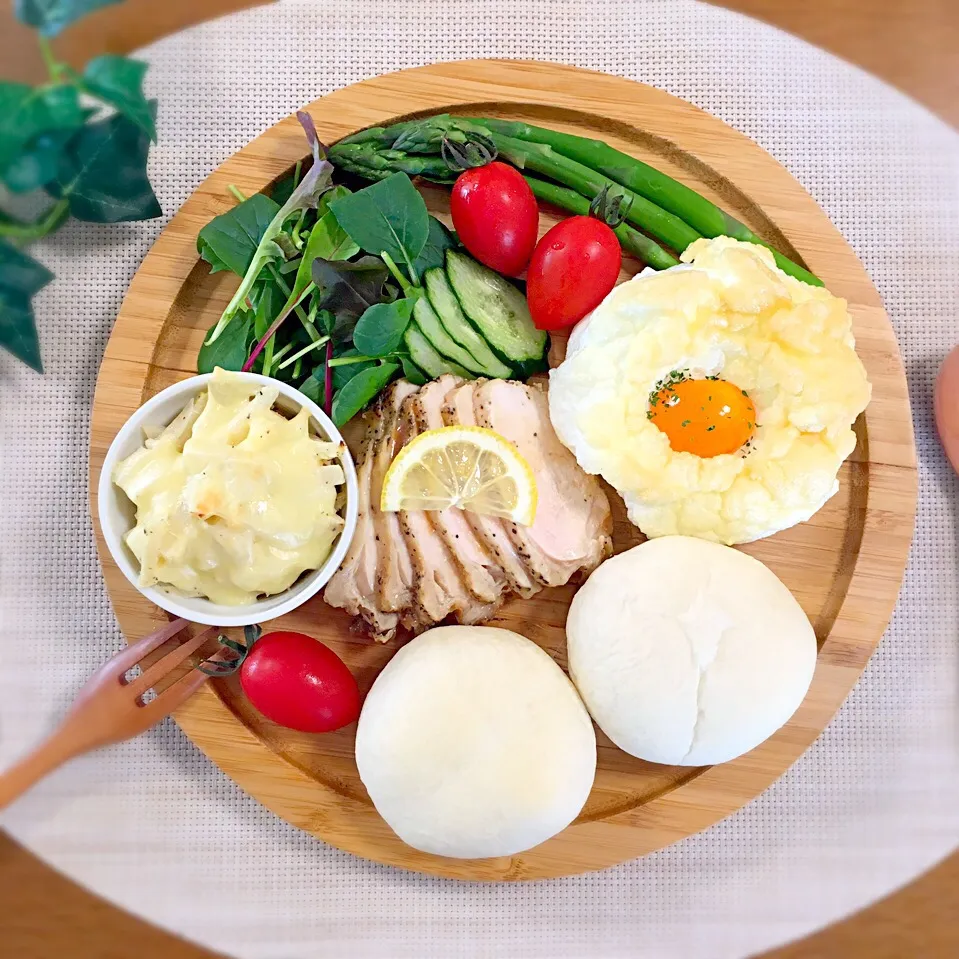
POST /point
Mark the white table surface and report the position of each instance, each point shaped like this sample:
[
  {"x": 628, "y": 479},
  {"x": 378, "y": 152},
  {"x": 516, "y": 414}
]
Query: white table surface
[{"x": 152, "y": 826}]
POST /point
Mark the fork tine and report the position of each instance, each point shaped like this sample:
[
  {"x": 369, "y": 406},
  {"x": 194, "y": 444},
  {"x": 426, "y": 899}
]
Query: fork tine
[
  {"x": 175, "y": 695},
  {"x": 169, "y": 662},
  {"x": 128, "y": 658}
]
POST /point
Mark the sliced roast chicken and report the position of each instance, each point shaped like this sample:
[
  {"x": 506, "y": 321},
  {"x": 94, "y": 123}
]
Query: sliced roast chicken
[{"x": 419, "y": 568}]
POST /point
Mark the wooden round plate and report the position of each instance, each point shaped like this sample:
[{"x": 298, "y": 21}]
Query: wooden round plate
[{"x": 844, "y": 567}]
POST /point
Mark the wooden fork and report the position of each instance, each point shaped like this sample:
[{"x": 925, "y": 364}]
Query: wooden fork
[{"x": 109, "y": 708}]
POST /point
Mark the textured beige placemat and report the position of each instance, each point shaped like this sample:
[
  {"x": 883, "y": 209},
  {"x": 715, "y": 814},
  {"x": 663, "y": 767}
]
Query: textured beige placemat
[{"x": 157, "y": 829}]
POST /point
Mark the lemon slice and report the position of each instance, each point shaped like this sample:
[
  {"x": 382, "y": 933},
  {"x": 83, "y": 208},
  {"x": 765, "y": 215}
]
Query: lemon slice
[{"x": 469, "y": 467}]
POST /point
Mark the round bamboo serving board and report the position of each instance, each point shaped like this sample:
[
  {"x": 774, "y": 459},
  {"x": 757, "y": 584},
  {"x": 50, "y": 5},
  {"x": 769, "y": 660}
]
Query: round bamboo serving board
[{"x": 844, "y": 566}]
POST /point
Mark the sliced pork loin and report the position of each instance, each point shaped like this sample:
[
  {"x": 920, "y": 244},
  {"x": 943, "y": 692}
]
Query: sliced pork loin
[
  {"x": 419, "y": 568},
  {"x": 354, "y": 585},
  {"x": 394, "y": 567},
  {"x": 573, "y": 527},
  {"x": 478, "y": 569},
  {"x": 439, "y": 590},
  {"x": 458, "y": 411}
]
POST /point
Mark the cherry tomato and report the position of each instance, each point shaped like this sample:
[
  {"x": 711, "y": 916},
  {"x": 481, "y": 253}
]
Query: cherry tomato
[
  {"x": 573, "y": 267},
  {"x": 496, "y": 217},
  {"x": 298, "y": 682}
]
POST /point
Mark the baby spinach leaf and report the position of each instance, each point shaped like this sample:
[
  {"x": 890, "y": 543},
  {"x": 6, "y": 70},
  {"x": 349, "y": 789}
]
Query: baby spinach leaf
[
  {"x": 26, "y": 112},
  {"x": 360, "y": 390},
  {"x": 51, "y": 16},
  {"x": 342, "y": 374},
  {"x": 102, "y": 173},
  {"x": 388, "y": 217},
  {"x": 379, "y": 331},
  {"x": 438, "y": 241},
  {"x": 327, "y": 241},
  {"x": 229, "y": 240},
  {"x": 118, "y": 81},
  {"x": 312, "y": 386},
  {"x": 334, "y": 193},
  {"x": 306, "y": 196},
  {"x": 267, "y": 299},
  {"x": 283, "y": 190},
  {"x": 20, "y": 278},
  {"x": 348, "y": 289},
  {"x": 412, "y": 372},
  {"x": 230, "y": 350}
]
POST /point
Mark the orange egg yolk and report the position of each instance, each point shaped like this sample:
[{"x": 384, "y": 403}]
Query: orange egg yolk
[{"x": 705, "y": 417}]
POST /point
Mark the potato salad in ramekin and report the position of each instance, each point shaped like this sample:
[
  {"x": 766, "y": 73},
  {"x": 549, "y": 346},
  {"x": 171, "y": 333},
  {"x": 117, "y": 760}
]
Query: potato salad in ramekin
[{"x": 717, "y": 397}]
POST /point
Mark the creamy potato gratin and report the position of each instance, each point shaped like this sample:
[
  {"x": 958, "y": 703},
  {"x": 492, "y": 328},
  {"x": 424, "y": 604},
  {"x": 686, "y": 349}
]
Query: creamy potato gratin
[{"x": 233, "y": 500}]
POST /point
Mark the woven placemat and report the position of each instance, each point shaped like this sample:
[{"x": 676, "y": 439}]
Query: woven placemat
[{"x": 157, "y": 829}]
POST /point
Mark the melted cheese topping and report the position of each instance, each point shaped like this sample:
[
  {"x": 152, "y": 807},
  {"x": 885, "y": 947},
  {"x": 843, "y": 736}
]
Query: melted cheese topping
[
  {"x": 233, "y": 500},
  {"x": 729, "y": 313}
]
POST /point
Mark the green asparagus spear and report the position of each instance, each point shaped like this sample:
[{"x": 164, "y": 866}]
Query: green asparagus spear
[
  {"x": 645, "y": 180},
  {"x": 542, "y": 159},
  {"x": 661, "y": 206},
  {"x": 640, "y": 245},
  {"x": 373, "y": 162},
  {"x": 372, "y": 153}
]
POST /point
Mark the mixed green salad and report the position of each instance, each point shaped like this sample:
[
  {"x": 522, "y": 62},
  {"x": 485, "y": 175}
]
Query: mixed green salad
[{"x": 342, "y": 292}]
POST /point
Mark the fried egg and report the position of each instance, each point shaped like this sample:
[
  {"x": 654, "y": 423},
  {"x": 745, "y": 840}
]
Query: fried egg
[{"x": 717, "y": 397}]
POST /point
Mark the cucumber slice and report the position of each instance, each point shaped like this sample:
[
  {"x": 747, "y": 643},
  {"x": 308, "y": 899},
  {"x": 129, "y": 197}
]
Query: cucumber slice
[
  {"x": 454, "y": 320},
  {"x": 497, "y": 308},
  {"x": 443, "y": 343},
  {"x": 427, "y": 359}
]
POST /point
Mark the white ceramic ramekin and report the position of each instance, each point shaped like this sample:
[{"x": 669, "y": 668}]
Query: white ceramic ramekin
[{"x": 117, "y": 513}]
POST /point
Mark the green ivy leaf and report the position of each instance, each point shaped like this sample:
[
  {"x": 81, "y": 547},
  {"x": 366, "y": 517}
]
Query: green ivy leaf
[
  {"x": 118, "y": 81},
  {"x": 51, "y": 16},
  {"x": 37, "y": 164},
  {"x": 229, "y": 240},
  {"x": 103, "y": 174},
  {"x": 26, "y": 112},
  {"x": 20, "y": 278}
]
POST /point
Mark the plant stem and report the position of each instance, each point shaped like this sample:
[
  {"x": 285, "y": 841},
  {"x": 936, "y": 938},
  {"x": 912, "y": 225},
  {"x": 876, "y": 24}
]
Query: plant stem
[
  {"x": 268, "y": 355},
  {"x": 54, "y": 67},
  {"x": 281, "y": 352},
  {"x": 348, "y": 360},
  {"x": 328, "y": 379},
  {"x": 271, "y": 330},
  {"x": 285, "y": 287},
  {"x": 237, "y": 193},
  {"x": 397, "y": 275},
  {"x": 34, "y": 231},
  {"x": 632, "y": 241},
  {"x": 301, "y": 353}
]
